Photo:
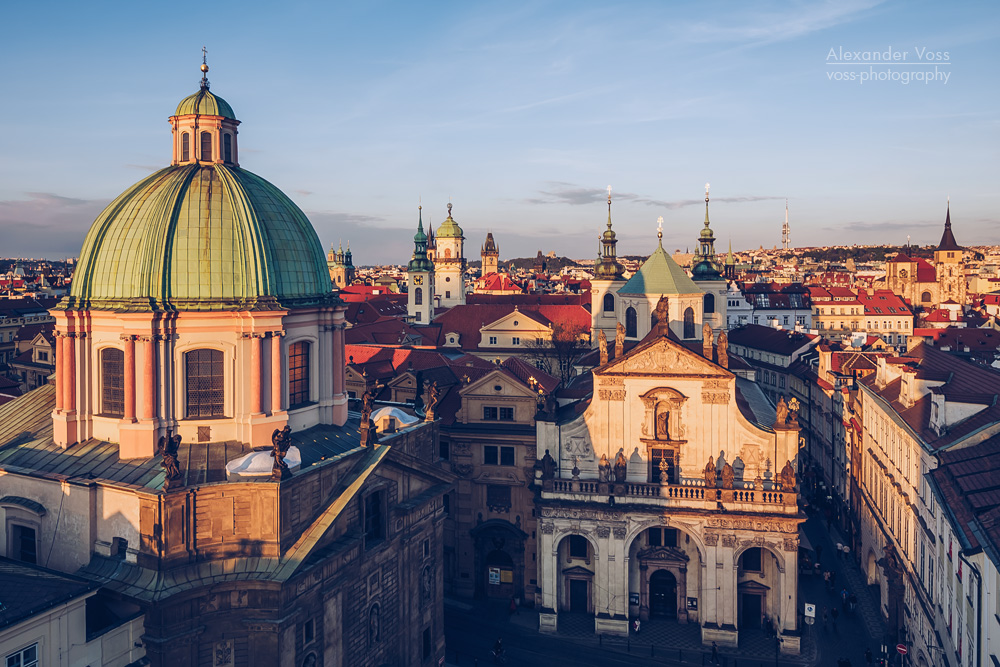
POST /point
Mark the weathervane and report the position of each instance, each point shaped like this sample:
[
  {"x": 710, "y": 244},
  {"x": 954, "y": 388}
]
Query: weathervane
[
  {"x": 707, "y": 186},
  {"x": 659, "y": 228}
]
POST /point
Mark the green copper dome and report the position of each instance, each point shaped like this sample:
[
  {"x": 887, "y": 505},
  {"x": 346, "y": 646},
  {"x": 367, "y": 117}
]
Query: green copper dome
[
  {"x": 200, "y": 237},
  {"x": 206, "y": 103},
  {"x": 449, "y": 229}
]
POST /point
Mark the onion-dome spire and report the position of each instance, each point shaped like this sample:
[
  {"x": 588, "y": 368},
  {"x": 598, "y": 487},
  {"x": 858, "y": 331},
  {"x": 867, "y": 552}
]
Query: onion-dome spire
[
  {"x": 607, "y": 266},
  {"x": 704, "y": 265},
  {"x": 419, "y": 261}
]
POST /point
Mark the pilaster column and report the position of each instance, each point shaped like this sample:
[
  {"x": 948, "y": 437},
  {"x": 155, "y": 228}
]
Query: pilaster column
[
  {"x": 60, "y": 372},
  {"x": 338, "y": 358},
  {"x": 129, "y": 377},
  {"x": 255, "y": 407},
  {"x": 643, "y": 591},
  {"x": 277, "y": 388},
  {"x": 69, "y": 388},
  {"x": 149, "y": 377}
]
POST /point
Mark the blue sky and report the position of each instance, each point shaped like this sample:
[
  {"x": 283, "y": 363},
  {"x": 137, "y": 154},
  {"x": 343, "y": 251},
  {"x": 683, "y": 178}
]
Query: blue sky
[{"x": 521, "y": 113}]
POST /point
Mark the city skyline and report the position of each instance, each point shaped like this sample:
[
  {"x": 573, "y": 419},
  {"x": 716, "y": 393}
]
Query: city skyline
[{"x": 521, "y": 116}]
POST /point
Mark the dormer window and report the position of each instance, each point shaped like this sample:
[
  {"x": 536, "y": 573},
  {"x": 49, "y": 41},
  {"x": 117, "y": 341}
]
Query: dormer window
[
  {"x": 206, "y": 146},
  {"x": 185, "y": 147}
]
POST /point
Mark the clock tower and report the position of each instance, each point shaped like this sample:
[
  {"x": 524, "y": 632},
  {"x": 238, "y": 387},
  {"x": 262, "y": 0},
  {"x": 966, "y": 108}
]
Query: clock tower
[{"x": 420, "y": 273}]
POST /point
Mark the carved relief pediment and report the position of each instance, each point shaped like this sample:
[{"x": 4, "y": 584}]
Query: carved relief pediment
[
  {"x": 665, "y": 357},
  {"x": 667, "y": 554},
  {"x": 578, "y": 570}
]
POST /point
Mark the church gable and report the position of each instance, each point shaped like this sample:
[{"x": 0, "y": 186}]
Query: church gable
[
  {"x": 518, "y": 321},
  {"x": 487, "y": 386},
  {"x": 663, "y": 357}
]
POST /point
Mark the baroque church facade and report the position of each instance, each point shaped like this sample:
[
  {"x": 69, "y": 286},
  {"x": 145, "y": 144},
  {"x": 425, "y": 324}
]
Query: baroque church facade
[{"x": 196, "y": 456}]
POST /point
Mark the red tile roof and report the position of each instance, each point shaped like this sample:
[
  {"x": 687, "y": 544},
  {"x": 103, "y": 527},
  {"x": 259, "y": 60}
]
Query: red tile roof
[{"x": 467, "y": 320}]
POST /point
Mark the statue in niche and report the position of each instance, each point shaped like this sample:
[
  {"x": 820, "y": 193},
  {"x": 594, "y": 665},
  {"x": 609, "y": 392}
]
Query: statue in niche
[
  {"x": 710, "y": 477},
  {"x": 787, "y": 477},
  {"x": 602, "y": 344},
  {"x": 621, "y": 466},
  {"x": 548, "y": 466},
  {"x": 619, "y": 340},
  {"x": 374, "y": 629},
  {"x": 728, "y": 476},
  {"x": 662, "y": 424},
  {"x": 781, "y": 412},
  {"x": 604, "y": 469}
]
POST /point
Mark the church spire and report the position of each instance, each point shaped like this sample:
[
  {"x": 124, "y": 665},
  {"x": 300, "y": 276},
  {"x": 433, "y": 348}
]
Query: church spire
[
  {"x": 704, "y": 265},
  {"x": 204, "y": 68},
  {"x": 607, "y": 266},
  {"x": 948, "y": 238}
]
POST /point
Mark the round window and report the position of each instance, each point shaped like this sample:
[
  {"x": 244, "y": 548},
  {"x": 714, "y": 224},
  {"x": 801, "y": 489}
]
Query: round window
[
  {"x": 447, "y": 279},
  {"x": 497, "y": 387}
]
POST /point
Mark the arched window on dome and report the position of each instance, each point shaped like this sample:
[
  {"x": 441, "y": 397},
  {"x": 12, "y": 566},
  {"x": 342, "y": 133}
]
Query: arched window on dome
[
  {"x": 112, "y": 382},
  {"x": 418, "y": 296},
  {"x": 204, "y": 390},
  {"x": 227, "y": 147},
  {"x": 689, "y": 322},
  {"x": 631, "y": 323},
  {"x": 185, "y": 147},
  {"x": 298, "y": 375},
  {"x": 206, "y": 146},
  {"x": 709, "y": 303},
  {"x": 609, "y": 303}
]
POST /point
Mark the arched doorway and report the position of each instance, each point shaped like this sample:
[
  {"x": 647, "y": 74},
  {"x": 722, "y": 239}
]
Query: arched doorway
[
  {"x": 577, "y": 564},
  {"x": 499, "y": 559},
  {"x": 663, "y": 594},
  {"x": 499, "y": 574}
]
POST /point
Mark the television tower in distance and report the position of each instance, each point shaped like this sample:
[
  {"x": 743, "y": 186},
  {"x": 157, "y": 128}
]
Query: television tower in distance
[{"x": 784, "y": 229}]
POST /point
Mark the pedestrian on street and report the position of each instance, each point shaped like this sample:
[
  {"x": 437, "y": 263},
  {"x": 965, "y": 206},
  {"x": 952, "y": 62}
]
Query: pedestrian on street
[
  {"x": 839, "y": 549},
  {"x": 852, "y": 602},
  {"x": 868, "y": 656},
  {"x": 824, "y": 618},
  {"x": 826, "y": 579},
  {"x": 636, "y": 625},
  {"x": 512, "y": 609},
  {"x": 833, "y": 579},
  {"x": 847, "y": 553},
  {"x": 834, "y": 613},
  {"x": 715, "y": 653}
]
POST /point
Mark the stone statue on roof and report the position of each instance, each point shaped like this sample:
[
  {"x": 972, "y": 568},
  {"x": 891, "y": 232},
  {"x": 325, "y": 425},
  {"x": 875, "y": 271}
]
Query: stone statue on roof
[
  {"x": 781, "y": 412},
  {"x": 602, "y": 344},
  {"x": 787, "y": 477},
  {"x": 433, "y": 396},
  {"x": 168, "y": 447},
  {"x": 281, "y": 441},
  {"x": 722, "y": 349},
  {"x": 604, "y": 469},
  {"x": 621, "y": 467},
  {"x": 619, "y": 340}
]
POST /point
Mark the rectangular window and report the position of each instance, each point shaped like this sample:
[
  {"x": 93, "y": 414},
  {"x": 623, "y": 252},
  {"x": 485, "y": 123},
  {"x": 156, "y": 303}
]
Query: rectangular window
[
  {"x": 498, "y": 498},
  {"x": 206, "y": 147},
  {"x": 447, "y": 294},
  {"x": 43, "y": 356},
  {"x": 751, "y": 559},
  {"x": 374, "y": 525},
  {"x": 24, "y": 547},
  {"x": 308, "y": 628},
  {"x": 578, "y": 546},
  {"x": 491, "y": 455},
  {"x": 506, "y": 456},
  {"x": 506, "y": 414},
  {"x": 444, "y": 451},
  {"x": 27, "y": 657},
  {"x": 493, "y": 340},
  {"x": 494, "y": 455},
  {"x": 489, "y": 413},
  {"x": 515, "y": 340},
  {"x": 659, "y": 459},
  {"x": 205, "y": 383},
  {"x": 228, "y": 144},
  {"x": 112, "y": 382},
  {"x": 298, "y": 374}
]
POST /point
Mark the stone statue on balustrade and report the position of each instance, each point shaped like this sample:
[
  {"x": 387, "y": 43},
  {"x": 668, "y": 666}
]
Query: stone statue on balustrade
[
  {"x": 787, "y": 477},
  {"x": 602, "y": 344},
  {"x": 619, "y": 340},
  {"x": 781, "y": 412},
  {"x": 728, "y": 476},
  {"x": 548, "y": 466},
  {"x": 711, "y": 480},
  {"x": 621, "y": 467},
  {"x": 604, "y": 469}
]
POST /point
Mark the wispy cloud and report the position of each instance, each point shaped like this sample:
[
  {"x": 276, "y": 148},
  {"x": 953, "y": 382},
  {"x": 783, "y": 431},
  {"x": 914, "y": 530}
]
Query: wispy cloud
[
  {"x": 47, "y": 224},
  {"x": 567, "y": 193},
  {"x": 144, "y": 167}
]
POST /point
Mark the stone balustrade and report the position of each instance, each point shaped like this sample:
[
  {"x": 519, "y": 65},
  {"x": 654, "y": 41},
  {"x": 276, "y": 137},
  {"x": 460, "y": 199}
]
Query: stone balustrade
[{"x": 691, "y": 492}]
